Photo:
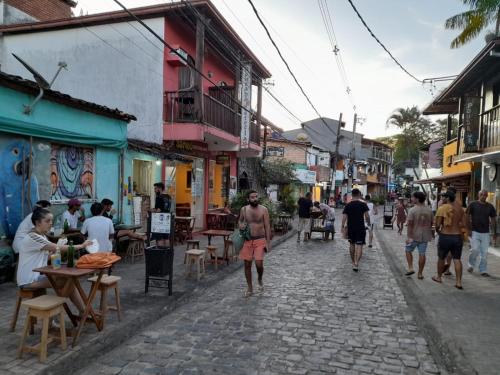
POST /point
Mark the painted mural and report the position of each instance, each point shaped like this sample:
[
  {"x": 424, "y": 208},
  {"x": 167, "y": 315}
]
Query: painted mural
[
  {"x": 71, "y": 172},
  {"x": 19, "y": 189}
]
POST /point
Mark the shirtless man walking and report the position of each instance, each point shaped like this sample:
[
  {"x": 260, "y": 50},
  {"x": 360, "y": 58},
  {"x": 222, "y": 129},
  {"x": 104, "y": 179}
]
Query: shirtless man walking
[
  {"x": 257, "y": 219},
  {"x": 450, "y": 222}
]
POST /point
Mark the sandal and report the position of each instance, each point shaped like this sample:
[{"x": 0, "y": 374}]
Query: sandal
[
  {"x": 420, "y": 277},
  {"x": 434, "y": 278},
  {"x": 459, "y": 287},
  {"x": 409, "y": 273},
  {"x": 248, "y": 293}
]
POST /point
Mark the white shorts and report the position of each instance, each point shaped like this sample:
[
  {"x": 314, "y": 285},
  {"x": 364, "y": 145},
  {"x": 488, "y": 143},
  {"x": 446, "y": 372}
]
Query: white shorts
[{"x": 304, "y": 223}]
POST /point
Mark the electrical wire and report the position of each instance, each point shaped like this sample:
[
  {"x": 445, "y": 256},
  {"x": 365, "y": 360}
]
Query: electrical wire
[
  {"x": 284, "y": 61},
  {"x": 381, "y": 44}
]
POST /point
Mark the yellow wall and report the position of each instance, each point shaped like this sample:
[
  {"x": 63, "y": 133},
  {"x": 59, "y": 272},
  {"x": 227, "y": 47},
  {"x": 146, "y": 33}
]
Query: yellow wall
[
  {"x": 216, "y": 197},
  {"x": 451, "y": 149},
  {"x": 182, "y": 193}
]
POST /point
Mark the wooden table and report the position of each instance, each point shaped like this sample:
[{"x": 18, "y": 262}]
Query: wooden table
[
  {"x": 71, "y": 278},
  {"x": 127, "y": 227},
  {"x": 184, "y": 223},
  {"x": 216, "y": 232}
]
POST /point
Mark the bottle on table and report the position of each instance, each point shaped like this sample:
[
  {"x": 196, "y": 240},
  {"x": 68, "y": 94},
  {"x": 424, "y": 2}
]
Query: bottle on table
[{"x": 71, "y": 254}]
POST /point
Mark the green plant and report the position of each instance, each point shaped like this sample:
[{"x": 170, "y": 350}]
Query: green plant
[
  {"x": 240, "y": 200},
  {"x": 287, "y": 199},
  {"x": 279, "y": 171}
]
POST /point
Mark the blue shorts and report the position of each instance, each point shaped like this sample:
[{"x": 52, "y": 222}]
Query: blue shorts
[{"x": 421, "y": 246}]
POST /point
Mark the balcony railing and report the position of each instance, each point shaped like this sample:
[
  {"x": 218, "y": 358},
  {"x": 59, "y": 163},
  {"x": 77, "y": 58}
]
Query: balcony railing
[
  {"x": 180, "y": 107},
  {"x": 490, "y": 128}
]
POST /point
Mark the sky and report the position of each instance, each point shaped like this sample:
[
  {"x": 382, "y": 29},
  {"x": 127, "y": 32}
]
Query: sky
[{"x": 413, "y": 30}]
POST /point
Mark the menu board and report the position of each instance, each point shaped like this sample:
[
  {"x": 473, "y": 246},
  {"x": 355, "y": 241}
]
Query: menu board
[{"x": 160, "y": 222}]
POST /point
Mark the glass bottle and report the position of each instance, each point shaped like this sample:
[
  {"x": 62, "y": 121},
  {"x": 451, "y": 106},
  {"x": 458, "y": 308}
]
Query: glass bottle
[
  {"x": 66, "y": 226},
  {"x": 71, "y": 254}
]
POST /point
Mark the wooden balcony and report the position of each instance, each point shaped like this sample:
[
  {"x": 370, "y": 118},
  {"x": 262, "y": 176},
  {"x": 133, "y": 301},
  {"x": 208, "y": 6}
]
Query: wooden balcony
[{"x": 179, "y": 106}]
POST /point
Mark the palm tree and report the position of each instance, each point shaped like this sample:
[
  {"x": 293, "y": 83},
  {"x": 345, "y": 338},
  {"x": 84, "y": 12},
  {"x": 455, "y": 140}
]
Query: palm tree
[
  {"x": 481, "y": 14},
  {"x": 416, "y": 131}
]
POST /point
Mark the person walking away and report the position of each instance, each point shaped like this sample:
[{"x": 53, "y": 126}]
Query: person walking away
[
  {"x": 353, "y": 226},
  {"x": 162, "y": 204},
  {"x": 400, "y": 215},
  {"x": 99, "y": 228},
  {"x": 255, "y": 217},
  {"x": 450, "y": 222},
  {"x": 479, "y": 215},
  {"x": 305, "y": 205},
  {"x": 372, "y": 212},
  {"x": 433, "y": 203},
  {"x": 458, "y": 204},
  {"x": 419, "y": 232}
]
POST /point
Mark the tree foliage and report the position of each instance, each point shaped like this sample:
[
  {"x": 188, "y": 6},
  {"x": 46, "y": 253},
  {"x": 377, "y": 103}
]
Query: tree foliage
[
  {"x": 277, "y": 171},
  {"x": 416, "y": 132},
  {"x": 480, "y": 15}
]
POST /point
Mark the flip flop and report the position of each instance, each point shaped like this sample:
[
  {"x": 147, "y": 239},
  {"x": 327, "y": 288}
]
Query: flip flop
[
  {"x": 355, "y": 268},
  {"x": 436, "y": 280},
  {"x": 409, "y": 273},
  {"x": 248, "y": 294},
  {"x": 420, "y": 277},
  {"x": 459, "y": 287},
  {"x": 447, "y": 273}
]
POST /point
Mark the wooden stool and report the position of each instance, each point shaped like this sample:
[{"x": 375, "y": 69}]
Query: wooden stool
[
  {"x": 25, "y": 293},
  {"x": 135, "y": 248},
  {"x": 191, "y": 244},
  {"x": 212, "y": 253},
  {"x": 44, "y": 308},
  {"x": 108, "y": 282},
  {"x": 230, "y": 255},
  {"x": 198, "y": 257}
]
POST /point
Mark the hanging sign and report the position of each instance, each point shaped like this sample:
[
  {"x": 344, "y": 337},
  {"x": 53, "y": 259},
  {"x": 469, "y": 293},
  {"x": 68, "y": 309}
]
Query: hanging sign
[{"x": 246, "y": 102}]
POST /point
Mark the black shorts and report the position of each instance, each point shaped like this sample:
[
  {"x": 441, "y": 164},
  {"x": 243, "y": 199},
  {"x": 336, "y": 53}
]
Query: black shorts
[
  {"x": 357, "y": 237},
  {"x": 450, "y": 243},
  {"x": 159, "y": 236}
]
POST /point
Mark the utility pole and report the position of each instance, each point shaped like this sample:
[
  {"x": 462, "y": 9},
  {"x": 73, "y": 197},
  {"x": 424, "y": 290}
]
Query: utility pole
[
  {"x": 335, "y": 156},
  {"x": 353, "y": 156}
]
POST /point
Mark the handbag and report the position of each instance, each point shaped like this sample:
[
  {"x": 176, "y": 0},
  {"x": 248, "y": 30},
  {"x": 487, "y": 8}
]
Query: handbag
[{"x": 240, "y": 236}]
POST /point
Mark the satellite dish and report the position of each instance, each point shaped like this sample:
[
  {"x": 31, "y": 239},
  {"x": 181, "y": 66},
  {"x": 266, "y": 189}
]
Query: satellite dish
[
  {"x": 302, "y": 137},
  {"x": 37, "y": 76}
]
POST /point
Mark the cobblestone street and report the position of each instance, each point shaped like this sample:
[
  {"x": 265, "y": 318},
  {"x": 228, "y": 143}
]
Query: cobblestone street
[{"x": 315, "y": 316}]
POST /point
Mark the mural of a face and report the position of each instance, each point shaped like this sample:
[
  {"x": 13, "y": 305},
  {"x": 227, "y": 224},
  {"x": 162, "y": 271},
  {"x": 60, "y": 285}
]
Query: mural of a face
[{"x": 14, "y": 172}]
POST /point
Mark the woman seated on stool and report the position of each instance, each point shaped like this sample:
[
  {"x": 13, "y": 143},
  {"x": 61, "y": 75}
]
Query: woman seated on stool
[{"x": 34, "y": 253}]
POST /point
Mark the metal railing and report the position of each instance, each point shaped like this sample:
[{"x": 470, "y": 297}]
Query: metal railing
[
  {"x": 490, "y": 128},
  {"x": 180, "y": 107}
]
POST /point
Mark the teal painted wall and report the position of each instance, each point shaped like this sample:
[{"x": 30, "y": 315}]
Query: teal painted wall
[
  {"x": 57, "y": 117},
  {"x": 59, "y": 125}
]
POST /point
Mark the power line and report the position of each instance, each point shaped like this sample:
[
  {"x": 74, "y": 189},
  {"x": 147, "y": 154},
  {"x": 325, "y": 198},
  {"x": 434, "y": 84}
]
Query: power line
[
  {"x": 381, "y": 44},
  {"x": 284, "y": 61},
  {"x": 186, "y": 61}
]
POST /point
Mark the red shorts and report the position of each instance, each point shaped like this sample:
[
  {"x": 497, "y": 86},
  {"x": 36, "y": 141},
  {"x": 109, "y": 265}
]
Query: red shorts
[{"x": 253, "y": 249}]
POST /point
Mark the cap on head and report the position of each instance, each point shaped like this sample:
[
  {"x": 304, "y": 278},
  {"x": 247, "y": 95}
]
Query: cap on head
[{"x": 74, "y": 202}]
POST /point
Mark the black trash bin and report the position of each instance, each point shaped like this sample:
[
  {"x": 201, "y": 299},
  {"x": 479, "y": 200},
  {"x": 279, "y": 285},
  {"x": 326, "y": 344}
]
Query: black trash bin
[{"x": 159, "y": 267}]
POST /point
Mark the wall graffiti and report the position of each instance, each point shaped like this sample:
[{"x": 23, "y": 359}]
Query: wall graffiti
[
  {"x": 19, "y": 189},
  {"x": 71, "y": 172}
]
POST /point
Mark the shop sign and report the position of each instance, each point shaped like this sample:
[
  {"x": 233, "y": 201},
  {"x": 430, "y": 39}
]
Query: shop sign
[
  {"x": 184, "y": 145},
  {"x": 222, "y": 159},
  {"x": 471, "y": 123},
  {"x": 275, "y": 151},
  {"x": 306, "y": 176},
  {"x": 246, "y": 101}
]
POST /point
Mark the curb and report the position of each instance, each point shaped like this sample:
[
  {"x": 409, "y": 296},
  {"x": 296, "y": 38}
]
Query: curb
[
  {"x": 448, "y": 355},
  {"x": 88, "y": 352}
]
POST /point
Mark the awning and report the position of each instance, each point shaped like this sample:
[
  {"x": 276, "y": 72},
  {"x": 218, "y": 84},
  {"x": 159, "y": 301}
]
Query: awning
[
  {"x": 459, "y": 181},
  {"x": 488, "y": 157},
  {"x": 445, "y": 178}
]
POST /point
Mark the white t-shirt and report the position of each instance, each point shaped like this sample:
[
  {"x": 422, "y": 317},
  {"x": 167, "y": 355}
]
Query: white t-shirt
[
  {"x": 31, "y": 256},
  {"x": 22, "y": 231},
  {"x": 370, "y": 212},
  {"x": 99, "y": 228},
  {"x": 72, "y": 219}
]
